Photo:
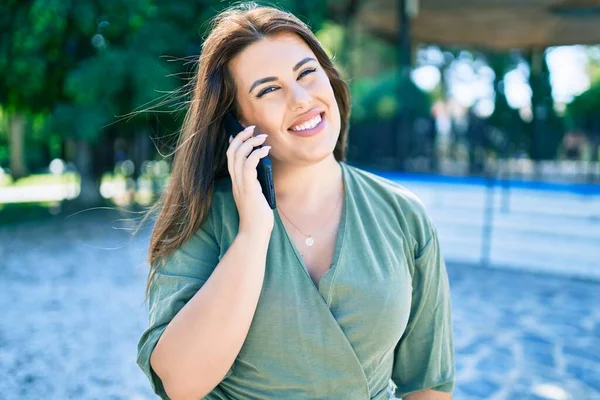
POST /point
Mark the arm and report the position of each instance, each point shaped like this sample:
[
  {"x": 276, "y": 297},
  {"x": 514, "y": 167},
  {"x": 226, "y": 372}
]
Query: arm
[
  {"x": 428, "y": 395},
  {"x": 201, "y": 342},
  {"x": 424, "y": 358}
]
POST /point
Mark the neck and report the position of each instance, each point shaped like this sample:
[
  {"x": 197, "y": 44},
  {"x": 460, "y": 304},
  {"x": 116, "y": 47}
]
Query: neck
[{"x": 307, "y": 186}]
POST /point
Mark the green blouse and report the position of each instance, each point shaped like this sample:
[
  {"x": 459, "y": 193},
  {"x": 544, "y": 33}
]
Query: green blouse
[{"x": 382, "y": 311}]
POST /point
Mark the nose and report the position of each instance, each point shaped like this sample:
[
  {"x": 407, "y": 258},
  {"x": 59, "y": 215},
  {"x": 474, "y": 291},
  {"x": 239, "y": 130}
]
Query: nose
[{"x": 300, "y": 98}]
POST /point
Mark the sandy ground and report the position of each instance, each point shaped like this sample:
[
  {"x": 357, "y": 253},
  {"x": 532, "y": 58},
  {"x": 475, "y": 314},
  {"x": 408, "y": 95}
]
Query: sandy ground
[{"x": 71, "y": 294}]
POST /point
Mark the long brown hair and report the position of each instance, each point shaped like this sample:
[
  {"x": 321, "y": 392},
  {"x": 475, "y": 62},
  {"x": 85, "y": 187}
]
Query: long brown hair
[{"x": 200, "y": 156}]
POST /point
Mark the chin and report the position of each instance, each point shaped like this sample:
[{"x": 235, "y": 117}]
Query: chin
[{"x": 318, "y": 152}]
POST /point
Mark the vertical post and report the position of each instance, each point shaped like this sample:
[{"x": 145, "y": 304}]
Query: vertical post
[
  {"x": 403, "y": 126},
  {"x": 506, "y": 187},
  {"x": 488, "y": 220},
  {"x": 536, "y": 58},
  {"x": 404, "y": 41}
]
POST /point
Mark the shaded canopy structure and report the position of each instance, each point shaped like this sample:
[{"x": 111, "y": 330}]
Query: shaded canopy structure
[{"x": 489, "y": 24}]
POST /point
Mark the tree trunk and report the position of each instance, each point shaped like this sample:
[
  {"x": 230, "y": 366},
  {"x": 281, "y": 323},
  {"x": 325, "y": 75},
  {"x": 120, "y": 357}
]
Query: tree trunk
[
  {"x": 141, "y": 151},
  {"x": 90, "y": 183},
  {"x": 18, "y": 166}
]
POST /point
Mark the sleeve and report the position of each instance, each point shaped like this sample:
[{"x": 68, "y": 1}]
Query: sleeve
[
  {"x": 424, "y": 356},
  {"x": 182, "y": 274}
]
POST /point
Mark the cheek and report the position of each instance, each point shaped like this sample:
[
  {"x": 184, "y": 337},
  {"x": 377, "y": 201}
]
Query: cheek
[
  {"x": 276, "y": 113},
  {"x": 332, "y": 102},
  {"x": 326, "y": 91},
  {"x": 270, "y": 116}
]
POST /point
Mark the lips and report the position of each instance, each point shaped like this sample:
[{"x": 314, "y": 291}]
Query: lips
[
  {"x": 310, "y": 132},
  {"x": 307, "y": 116}
]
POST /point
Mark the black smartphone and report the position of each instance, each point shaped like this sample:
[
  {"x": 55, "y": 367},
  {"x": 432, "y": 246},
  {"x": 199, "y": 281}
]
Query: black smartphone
[{"x": 264, "y": 168}]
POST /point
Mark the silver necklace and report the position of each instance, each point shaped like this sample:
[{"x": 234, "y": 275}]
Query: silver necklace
[{"x": 309, "y": 239}]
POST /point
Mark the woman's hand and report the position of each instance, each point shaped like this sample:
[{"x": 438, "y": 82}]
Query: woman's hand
[{"x": 256, "y": 217}]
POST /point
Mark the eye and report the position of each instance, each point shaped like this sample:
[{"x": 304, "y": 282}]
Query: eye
[
  {"x": 266, "y": 90},
  {"x": 306, "y": 72},
  {"x": 274, "y": 88}
]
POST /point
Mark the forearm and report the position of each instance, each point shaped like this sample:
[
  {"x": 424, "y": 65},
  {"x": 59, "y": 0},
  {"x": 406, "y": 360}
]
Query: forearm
[
  {"x": 201, "y": 342},
  {"x": 428, "y": 394}
]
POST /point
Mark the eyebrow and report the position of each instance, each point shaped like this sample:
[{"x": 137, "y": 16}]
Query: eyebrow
[{"x": 274, "y": 78}]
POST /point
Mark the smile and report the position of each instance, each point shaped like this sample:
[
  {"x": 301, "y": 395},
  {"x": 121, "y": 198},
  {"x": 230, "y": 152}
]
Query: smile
[
  {"x": 308, "y": 124},
  {"x": 310, "y": 127}
]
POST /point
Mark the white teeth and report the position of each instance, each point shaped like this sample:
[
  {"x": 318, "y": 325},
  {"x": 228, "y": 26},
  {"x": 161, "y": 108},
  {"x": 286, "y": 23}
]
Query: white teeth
[{"x": 308, "y": 124}]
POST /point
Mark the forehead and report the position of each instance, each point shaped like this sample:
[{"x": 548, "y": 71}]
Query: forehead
[{"x": 271, "y": 56}]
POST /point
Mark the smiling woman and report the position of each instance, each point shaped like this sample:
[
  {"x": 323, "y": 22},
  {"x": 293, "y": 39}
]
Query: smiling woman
[
  {"x": 340, "y": 292},
  {"x": 289, "y": 94}
]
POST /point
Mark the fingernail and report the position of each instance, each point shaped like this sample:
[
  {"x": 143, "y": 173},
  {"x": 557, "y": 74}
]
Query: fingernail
[
  {"x": 262, "y": 135},
  {"x": 266, "y": 147},
  {"x": 230, "y": 138},
  {"x": 250, "y": 128}
]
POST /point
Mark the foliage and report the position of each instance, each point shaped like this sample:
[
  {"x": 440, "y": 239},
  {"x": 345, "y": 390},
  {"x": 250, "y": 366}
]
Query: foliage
[
  {"x": 547, "y": 128},
  {"x": 504, "y": 118},
  {"x": 126, "y": 70},
  {"x": 583, "y": 112},
  {"x": 331, "y": 36},
  {"x": 36, "y": 54},
  {"x": 379, "y": 97}
]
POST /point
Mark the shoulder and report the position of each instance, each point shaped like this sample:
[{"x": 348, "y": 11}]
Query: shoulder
[
  {"x": 385, "y": 195},
  {"x": 223, "y": 211}
]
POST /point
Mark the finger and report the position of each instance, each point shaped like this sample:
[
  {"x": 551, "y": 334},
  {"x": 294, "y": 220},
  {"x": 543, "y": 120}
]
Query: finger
[
  {"x": 250, "y": 173},
  {"x": 245, "y": 134},
  {"x": 233, "y": 146},
  {"x": 254, "y": 158},
  {"x": 242, "y": 154},
  {"x": 246, "y": 148},
  {"x": 236, "y": 141}
]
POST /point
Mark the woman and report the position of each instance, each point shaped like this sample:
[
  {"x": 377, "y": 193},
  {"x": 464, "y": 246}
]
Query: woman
[{"x": 338, "y": 290}]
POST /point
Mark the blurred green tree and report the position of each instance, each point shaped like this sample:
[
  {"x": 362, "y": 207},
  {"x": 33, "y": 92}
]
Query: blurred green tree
[
  {"x": 546, "y": 129},
  {"x": 89, "y": 65},
  {"x": 125, "y": 73},
  {"x": 87, "y": 62},
  {"x": 504, "y": 118},
  {"x": 33, "y": 65},
  {"x": 583, "y": 115}
]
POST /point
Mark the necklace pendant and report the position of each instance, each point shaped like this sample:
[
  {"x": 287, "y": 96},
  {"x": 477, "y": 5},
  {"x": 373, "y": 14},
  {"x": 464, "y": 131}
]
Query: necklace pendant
[{"x": 309, "y": 241}]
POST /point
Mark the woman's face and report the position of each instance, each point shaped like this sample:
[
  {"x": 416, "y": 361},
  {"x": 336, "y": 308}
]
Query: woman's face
[{"x": 283, "y": 90}]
